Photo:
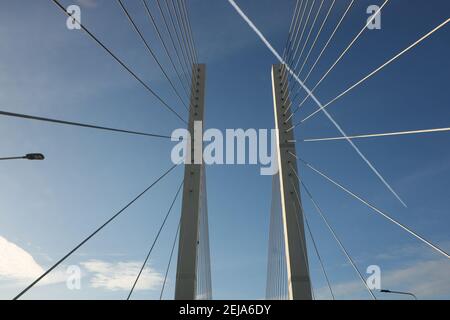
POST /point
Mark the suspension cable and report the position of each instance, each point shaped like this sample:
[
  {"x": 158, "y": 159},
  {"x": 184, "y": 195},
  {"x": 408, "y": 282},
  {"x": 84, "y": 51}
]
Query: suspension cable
[
  {"x": 117, "y": 59},
  {"x": 384, "y": 65},
  {"x": 172, "y": 39},
  {"x": 170, "y": 260},
  {"x": 331, "y": 229},
  {"x": 322, "y": 266},
  {"x": 390, "y": 134},
  {"x": 383, "y": 214},
  {"x": 93, "y": 234},
  {"x": 318, "y": 35},
  {"x": 296, "y": 92},
  {"x": 288, "y": 40},
  {"x": 344, "y": 53},
  {"x": 155, "y": 240},
  {"x": 166, "y": 50},
  {"x": 155, "y": 58},
  {"x": 182, "y": 48},
  {"x": 78, "y": 124}
]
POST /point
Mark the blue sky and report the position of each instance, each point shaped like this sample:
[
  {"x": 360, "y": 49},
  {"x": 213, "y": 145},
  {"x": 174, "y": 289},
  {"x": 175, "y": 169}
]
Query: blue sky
[{"x": 47, "y": 207}]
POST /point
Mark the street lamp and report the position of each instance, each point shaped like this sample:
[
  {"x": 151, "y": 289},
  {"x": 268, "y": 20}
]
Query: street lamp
[
  {"x": 399, "y": 292},
  {"x": 30, "y": 156}
]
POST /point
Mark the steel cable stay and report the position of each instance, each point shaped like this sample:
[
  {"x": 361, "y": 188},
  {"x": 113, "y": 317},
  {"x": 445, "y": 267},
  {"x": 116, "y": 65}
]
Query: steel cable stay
[
  {"x": 294, "y": 57},
  {"x": 333, "y": 233},
  {"x": 270, "y": 263},
  {"x": 384, "y": 65},
  {"x": 292, "y": 28},
  {"x": 190, "y": 40},
  {"x": 375, "y": 209},
  {"x": 323, "y": 107},
  {"x": 193, "y": 43},
  {"x": 180, "y": 28},
  {"x": 204, "y": 286},
  {"x": 316, "y": 250},
  {"x": 335, "y": 30},
  {"x": 319, "y": 32},
  {"x": 179, "y": 15},
  {"x": 195, "y": 71},
  {"x": 341, "y": 56},
  {"x": 298, "y": 90},
  {"x": 189, "y": 28},
  {"x": 185, "y": 67},
  {"x": 292, "y": 85},
  {"x": 297, "y": 42},
  {"x": 293, "y": 43},
  {"x": 79, "y": 124},
  {"x": 322, "y": 266},
  {"x": 319, "y": 258},
  {"x": 118, "y": 60},
  {"x": 388, "y": 134},
  {"x": 190, "y": 53},
  {"x": 281, "y": 290},
  {"x": 296, "y": 29},
  {"x": 78, "y": 246},
  {"x": 339, "y": 128},
  {"x": 187, "y": 34},
  {"x": 311, "y": 29},
  {"x": 150, "y": 51},
  {"x": 339, "y": 242},
  {"x": 288, "y": 40},
  {"x": 166, "y": 50},
  {"x": 303, "y": 22},
  {"x": 299, "y": 202},
  {"x": 184, "y": 55},
  {"x": 280, "y": 249},
  {"x": 371, "y": 74},
  {"x": 155, "y": 240},
  {"x": 170, "y": 261},
  {"x": 276, "y": 269}
]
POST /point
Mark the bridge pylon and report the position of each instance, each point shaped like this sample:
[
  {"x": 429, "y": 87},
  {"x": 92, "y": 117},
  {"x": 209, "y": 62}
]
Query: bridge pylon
[
  {"x": 299, "y": 283},
  {"x": 193, "y": 279}
]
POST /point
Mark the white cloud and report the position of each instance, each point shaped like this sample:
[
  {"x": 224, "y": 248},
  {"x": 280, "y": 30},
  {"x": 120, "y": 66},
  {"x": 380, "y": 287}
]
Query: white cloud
[
  {"x": 19, "y": 267},
  {"x": 426, "y": 279},
  {"x": 16, "y": 263},
  {"x": 121, "y": 275}
]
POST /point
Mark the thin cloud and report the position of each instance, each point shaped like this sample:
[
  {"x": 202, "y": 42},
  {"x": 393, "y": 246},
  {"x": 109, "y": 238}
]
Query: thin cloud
[
  {"x": 409, "y": 253},
  {"x": 121, "y": 275},
  {"x": 88, "y": 3},
  {"x": 426, "y": 279}
]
